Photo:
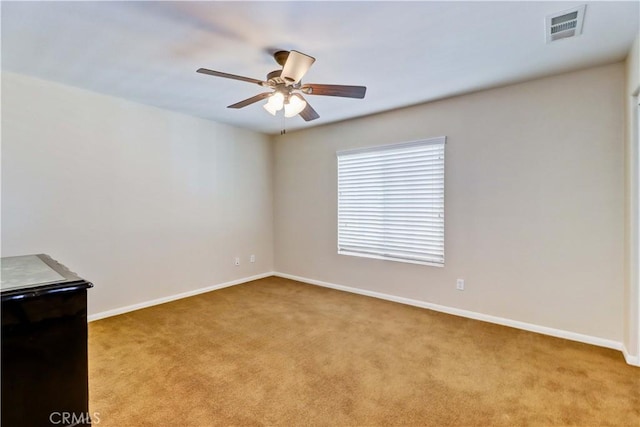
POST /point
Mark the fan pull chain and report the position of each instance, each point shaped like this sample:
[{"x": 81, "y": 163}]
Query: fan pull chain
[{"x": 283, "y": 131}]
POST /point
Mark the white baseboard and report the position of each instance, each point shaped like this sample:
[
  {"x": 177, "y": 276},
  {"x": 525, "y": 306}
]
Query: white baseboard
[
  {"x": 573, "y": 336},
  {"x": 169, "y": 298},
  {"x": 631, "y": 360}
]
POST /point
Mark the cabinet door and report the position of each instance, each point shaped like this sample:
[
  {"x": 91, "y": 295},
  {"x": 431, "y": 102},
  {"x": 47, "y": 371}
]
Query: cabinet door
[{"x": 44, "y": 360}]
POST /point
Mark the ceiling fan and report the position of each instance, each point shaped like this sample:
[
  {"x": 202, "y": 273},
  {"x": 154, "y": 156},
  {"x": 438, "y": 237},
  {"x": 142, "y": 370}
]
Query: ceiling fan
[{"x": 287, "y": 88}]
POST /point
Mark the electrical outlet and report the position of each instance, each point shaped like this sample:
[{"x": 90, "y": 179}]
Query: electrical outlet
[
  {"x": 237, "y": 261},
  {"x": 252, "y": 258},
  {"x": 460, "y": 284}
]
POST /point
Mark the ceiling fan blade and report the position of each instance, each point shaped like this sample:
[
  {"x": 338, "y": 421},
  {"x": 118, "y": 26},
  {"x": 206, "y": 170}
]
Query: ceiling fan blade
[
  {"x": 296, "y": 66},
  {"x": 334, "y": 90},
  {"x": 230, "y": 76},
  {"x": 308, "y": 113},
  {"x": 250, "y": 101}
]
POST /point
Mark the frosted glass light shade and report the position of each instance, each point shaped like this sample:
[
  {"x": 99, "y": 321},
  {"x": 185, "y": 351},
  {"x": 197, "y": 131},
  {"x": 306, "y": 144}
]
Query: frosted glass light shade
[
  {"x": 294, "y": 106},
  {"x": 270, "y": 108},
  {"x": 277, "y": 100},
  {"x": 275, "y": 103}
]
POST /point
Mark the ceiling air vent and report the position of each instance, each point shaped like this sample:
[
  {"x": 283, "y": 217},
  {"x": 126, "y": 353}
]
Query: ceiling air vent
[{"x": 565, "y": 24}]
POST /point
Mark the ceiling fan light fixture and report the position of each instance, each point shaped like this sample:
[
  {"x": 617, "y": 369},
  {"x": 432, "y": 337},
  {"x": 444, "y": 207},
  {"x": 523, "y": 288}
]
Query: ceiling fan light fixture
[
  {"x": 294, "y": 106},
  {"x": 275, "y": 103},
  {"x": 270, "y": 108},
  {"x": 277, "y": 100}
]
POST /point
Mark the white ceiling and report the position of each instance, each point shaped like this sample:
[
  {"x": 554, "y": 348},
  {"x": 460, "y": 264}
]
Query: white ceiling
[{"x": 404, "y": 52}]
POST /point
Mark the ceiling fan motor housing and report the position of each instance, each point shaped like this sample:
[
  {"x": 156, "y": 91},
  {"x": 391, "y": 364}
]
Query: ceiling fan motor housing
[{"x": 274, "y": 77}]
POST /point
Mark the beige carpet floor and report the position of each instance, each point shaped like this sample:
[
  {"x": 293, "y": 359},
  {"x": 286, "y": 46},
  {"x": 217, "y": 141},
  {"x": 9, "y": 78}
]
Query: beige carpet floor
[{"x": 279, "y": 352}]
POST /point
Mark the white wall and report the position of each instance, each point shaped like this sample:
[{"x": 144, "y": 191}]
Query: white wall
[
  {"x": 632, "y": 190},
  {"x": 143, "y": 202},
  {"x": 534, "y": 202},
  {"x": 148, "y": 203}
]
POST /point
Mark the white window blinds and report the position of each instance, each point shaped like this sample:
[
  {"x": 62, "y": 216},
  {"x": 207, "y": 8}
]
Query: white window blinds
[{"x": 391, "y": 202}]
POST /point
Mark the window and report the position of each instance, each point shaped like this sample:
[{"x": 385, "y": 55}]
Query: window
[{"x": 391, "y": 202}]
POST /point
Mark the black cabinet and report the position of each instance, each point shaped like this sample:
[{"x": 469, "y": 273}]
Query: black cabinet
[{"x": 44, "y": 344}]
